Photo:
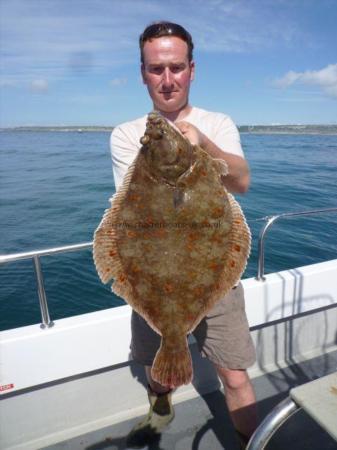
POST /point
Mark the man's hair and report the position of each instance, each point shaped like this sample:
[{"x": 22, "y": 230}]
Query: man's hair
[{"x": 163, "y": 28}]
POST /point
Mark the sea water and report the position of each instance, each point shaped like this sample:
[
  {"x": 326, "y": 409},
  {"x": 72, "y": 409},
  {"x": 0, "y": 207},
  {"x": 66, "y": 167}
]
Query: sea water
[{"x": 55, "y": 187}]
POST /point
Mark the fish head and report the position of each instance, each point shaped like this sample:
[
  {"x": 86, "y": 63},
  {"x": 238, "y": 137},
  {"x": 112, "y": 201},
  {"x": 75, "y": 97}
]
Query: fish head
[{"x": 167, "y": 152}]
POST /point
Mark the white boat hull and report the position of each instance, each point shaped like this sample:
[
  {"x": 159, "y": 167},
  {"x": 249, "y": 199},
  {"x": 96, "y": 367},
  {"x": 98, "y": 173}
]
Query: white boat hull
[{"x": 76, "y": 376}]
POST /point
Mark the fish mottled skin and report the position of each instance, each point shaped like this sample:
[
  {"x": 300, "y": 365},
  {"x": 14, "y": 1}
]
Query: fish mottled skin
[{"x": 174, "y": 242}]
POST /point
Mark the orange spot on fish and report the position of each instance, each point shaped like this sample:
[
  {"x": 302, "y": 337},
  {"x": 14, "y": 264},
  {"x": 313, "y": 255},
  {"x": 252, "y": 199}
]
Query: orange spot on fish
[
  {"x": 168, "y": 288},
  {"x": 218, "y": 211},
  {"x": 134, "y": 197},
  {"x": 216, "y": 238},
  {"x": 152, "y": 310},
  {"x": 203, "y": 172},
  {"x": 131, "y": 234},
  {"x": 214, "y": 266},
  {"x": 192, "y": 236},
  {"x": 236, "y": 247},
  {"x": 122, "y": 278},
  {"x": 198, "y": 291},
  {"x": 159, "y": 233},
  {"x": 190, "y": 317},
  {"x": 232, "y": 263},
  {"x": 112, "y": 253}
]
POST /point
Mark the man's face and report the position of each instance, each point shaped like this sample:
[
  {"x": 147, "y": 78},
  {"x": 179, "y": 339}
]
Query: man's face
[{"x": 167, "y": 72}]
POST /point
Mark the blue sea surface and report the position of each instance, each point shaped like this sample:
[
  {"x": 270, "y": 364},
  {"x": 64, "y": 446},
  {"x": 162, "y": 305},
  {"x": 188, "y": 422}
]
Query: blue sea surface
[{"x": 55, "y": 187}]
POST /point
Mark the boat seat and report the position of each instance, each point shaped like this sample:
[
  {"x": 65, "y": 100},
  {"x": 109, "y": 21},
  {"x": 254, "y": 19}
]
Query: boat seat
[{"x": 317, "y": 398}]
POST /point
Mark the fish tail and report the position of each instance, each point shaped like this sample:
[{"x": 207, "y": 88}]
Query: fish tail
[{"x": 172, "y": 365}]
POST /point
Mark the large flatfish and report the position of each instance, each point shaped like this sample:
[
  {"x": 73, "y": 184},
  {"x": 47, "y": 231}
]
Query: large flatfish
[{"x": 174, "y": 241}]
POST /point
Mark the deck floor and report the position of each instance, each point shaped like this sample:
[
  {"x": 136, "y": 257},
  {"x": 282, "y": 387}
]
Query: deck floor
[{"x": 203, "y": 424}]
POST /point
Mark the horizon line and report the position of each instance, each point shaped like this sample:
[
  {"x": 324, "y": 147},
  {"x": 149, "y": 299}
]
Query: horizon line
[{"x": 79, "y": 127}]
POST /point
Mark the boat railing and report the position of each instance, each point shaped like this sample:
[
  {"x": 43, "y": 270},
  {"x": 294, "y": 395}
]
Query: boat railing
[
  {"x": 36, "y": 255},
  {"x": 270, "y": 220}
]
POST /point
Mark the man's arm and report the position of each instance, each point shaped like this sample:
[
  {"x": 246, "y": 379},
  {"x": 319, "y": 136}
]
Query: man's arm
[
  {"x": 238, "y": 178},
  {"x": 124, "y": 147}
]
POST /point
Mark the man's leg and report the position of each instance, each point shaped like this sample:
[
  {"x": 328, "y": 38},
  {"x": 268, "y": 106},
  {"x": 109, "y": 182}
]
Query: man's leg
[
  {"x": 155, "y": 387},
  {"x": 240, "y": 399},
  {"x": 144, "y": 345},
  {"x": 160, "y": 414},
  {"x": 161, "y": 410},
  {"x": 224, "y": 338}
]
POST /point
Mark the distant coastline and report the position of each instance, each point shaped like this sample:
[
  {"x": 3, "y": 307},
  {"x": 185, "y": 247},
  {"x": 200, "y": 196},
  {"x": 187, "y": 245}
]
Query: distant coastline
[
  {"x": 288, "y": 129},
  {"x": 251, "y": 129},
  {"x": 65, "y": 128}
]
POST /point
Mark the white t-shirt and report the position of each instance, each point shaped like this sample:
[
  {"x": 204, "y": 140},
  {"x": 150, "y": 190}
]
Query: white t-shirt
[{"x": 125, "y": 138}]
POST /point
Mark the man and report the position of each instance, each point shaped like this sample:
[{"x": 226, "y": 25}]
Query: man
[{"x": 167, "y": 69}]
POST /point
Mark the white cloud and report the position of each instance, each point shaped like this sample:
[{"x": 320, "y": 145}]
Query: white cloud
[
  {"x": 118, "y": 82},
  {"x": 241, "y": 26},
  {"x": 39, "y": 85},
  {"x": 325, "y": 78},
  {"x": 58, "y": 38},
  {"x": 8, "y": 83}
]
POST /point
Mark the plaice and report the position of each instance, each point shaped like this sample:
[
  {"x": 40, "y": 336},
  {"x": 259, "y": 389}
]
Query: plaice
[{"x": 173, "y": 242}]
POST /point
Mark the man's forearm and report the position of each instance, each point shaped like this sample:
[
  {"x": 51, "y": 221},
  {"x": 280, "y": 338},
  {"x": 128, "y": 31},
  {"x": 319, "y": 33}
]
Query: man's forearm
[{"x": 238, "y": 178}]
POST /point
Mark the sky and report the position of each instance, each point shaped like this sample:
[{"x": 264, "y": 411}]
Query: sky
[{"x": 76, "y": 62}]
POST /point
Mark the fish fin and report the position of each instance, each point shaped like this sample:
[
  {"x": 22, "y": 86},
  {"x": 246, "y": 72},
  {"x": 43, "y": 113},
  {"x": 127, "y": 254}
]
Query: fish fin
[
  {"x": 238, "y": 249},
  {"x": 239, "y": 243},
  {"x": 178, "y": 197},
  {"x": 172, "y": 367},
  {"x": 105, "y": 251},
  {"x": 123, "y": 289},
  {"x": 240, "y": 239},
  {"x": 221, "y": 166}
]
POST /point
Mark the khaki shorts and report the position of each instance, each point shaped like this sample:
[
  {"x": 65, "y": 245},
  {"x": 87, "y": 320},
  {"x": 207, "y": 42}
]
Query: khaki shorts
[{"x": 222, "y": 336}]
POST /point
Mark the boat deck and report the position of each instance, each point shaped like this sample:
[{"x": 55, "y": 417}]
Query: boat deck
[{"x": 203, "y": 423}]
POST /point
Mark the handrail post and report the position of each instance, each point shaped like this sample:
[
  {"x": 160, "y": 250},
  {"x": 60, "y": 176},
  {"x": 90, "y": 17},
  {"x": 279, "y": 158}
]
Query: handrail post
[
  {"x": 46, "y": 322},
  {"x": 272, "y": 422},
  {"x": 260, "y": 265},
  {"x": 270, "y": 220},
  {"x": 35, "y": 256}
]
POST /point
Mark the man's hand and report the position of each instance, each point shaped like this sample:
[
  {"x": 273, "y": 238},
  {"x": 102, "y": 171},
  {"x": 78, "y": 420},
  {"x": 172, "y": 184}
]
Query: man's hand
[
  {"x": 238, "y": 178},
  {"x": 192, "y": 133}
]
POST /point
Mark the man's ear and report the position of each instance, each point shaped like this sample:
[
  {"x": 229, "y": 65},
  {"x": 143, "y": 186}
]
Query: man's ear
[
  {"x": 192, "y": 68},
  {"x": 142, "y": 70}
]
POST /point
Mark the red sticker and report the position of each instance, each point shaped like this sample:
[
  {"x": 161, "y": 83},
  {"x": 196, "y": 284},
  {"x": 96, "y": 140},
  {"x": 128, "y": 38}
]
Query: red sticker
[{"x": 6, "y": 387}]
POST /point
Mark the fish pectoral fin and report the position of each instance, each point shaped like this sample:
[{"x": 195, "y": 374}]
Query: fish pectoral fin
[
  {"x": 178, "y": 197},
  {"x": 221, "y": 167}
]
